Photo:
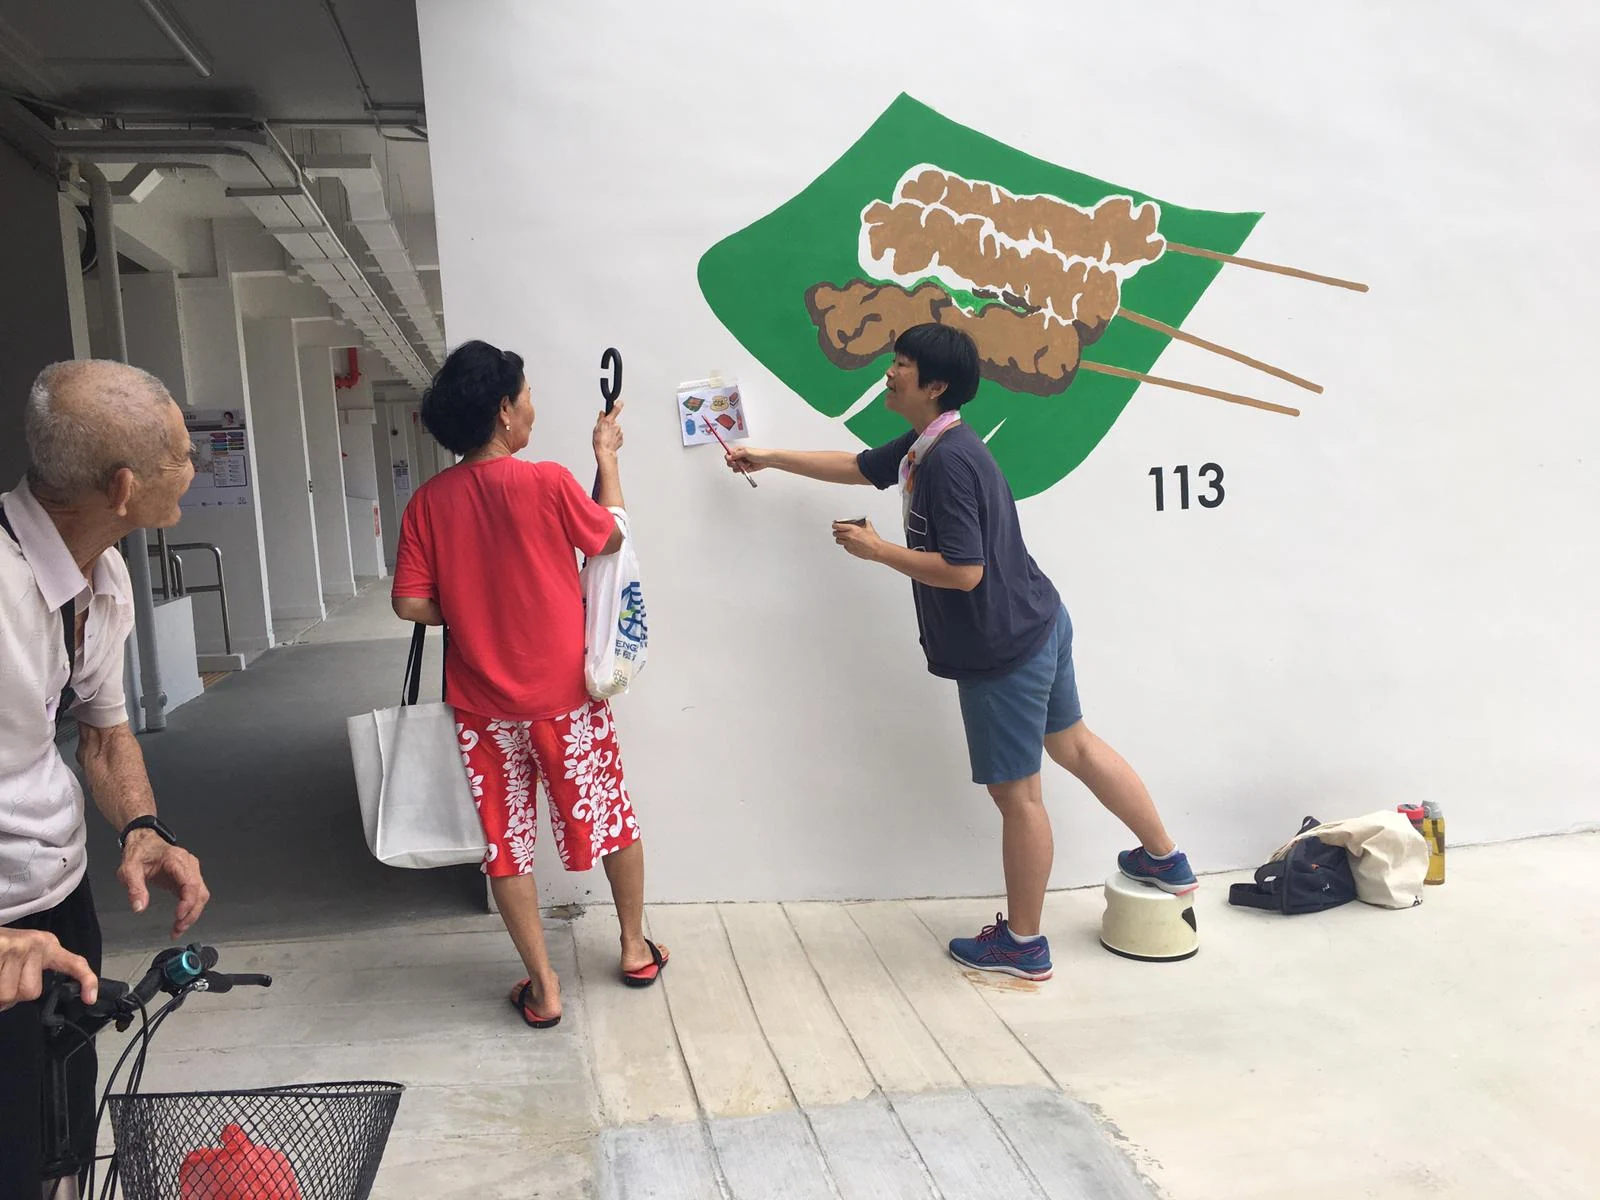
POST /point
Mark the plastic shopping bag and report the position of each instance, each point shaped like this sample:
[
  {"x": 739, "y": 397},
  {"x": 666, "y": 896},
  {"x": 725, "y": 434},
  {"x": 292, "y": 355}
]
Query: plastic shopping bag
[
  {"x": 616, "y": 635},
  {"x": 237, "y": 1170}
]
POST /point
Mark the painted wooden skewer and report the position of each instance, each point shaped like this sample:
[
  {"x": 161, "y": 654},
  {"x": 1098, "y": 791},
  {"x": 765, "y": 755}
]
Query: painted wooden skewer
[
  {"x": 1179, "y": 335},
  {"x": 1258, "y": 265},
  {"x": 1230, "y": 397}
]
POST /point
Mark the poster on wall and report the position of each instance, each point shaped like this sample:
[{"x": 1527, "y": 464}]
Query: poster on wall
[
  {"x": 402, "y": 479},
  {"x": 703, "y": 405},
  {"x": 219, "y": 442}
]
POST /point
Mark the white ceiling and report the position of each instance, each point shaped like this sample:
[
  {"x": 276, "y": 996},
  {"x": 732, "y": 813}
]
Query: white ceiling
[
  {"x": 281, "y": 62},
  {"x": 274, "y": 59}
]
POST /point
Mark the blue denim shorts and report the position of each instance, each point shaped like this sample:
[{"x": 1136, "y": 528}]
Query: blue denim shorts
[{"x": 1008, "y": 718}]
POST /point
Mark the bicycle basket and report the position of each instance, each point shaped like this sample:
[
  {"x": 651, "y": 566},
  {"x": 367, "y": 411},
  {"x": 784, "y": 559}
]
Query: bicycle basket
[{"x": 312, "y": 1141}]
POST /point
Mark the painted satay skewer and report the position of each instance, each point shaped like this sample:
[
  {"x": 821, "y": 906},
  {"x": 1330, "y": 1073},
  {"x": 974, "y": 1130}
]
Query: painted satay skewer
[
  {"x": 858, "y": 324},
  {"x": 1035, "y": 253},
  {"x": 908, "y": 245},
  {"x": 1119, "y": 230}
]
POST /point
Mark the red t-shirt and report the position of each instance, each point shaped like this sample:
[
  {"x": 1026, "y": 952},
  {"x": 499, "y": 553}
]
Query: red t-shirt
[{"x": 493, "y": 543}]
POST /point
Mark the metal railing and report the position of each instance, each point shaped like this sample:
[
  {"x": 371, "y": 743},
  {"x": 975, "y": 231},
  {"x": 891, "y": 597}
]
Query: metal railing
[{"x": 173, "y": 584}]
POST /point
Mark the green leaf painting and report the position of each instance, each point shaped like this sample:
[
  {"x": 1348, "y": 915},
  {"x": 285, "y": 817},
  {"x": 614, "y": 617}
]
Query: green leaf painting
[{"x": 757, "y": 281}]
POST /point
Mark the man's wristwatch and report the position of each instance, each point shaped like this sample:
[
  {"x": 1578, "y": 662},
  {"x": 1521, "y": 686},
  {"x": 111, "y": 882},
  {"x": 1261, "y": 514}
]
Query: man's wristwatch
[{"x": 152, "y": 823}]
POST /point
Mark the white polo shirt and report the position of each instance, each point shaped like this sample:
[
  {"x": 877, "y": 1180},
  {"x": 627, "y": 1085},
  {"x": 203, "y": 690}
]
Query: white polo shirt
[{"x": 41, "y": 803}]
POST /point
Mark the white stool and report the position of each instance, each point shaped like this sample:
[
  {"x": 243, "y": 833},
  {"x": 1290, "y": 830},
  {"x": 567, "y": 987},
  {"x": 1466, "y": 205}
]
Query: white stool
[{"x": 1145, "y": 923}]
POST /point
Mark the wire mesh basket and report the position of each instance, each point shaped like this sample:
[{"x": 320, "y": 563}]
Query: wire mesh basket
[{"x": 310, "y": 1141}]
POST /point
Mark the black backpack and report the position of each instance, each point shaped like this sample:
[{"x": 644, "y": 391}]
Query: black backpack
[{"x": 1312, "y": 876}]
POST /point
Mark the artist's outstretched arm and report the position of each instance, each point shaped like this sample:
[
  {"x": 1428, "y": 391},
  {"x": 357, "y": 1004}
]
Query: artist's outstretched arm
[{"x": 830, "y": 466}]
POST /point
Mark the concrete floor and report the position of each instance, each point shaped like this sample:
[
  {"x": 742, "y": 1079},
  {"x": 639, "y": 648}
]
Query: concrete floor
[
  {"x": 255, "y": 776},
  {"x": 833, "y": 1050}
]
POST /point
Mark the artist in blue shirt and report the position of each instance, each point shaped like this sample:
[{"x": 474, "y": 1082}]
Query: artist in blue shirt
[{"x": 990, "y": 620}]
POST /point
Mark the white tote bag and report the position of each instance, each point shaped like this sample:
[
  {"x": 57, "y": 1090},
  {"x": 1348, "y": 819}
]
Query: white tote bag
[
  {"x": 417, "y": 808},
  {"x": 616, "y": 635},
  {"x": 1388, "y": 857}
]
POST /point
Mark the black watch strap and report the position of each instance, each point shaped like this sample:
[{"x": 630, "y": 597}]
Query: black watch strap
[{"x": 147, "y": 822}]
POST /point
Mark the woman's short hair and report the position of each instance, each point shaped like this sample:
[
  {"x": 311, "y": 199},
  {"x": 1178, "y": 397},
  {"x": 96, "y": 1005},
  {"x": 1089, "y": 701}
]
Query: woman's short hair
[
  {"x": 462, "y": 405},
  {"x": 943, "y": 355}
]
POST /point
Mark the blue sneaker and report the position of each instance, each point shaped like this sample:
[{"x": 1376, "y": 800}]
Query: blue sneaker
[
  {"x": 1169, "y": 874},
  {"x": 996, "y": 950}
]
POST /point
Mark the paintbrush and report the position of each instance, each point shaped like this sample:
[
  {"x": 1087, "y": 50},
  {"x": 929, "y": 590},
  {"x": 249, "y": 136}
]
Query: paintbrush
[{"x": 712, "y": 430}]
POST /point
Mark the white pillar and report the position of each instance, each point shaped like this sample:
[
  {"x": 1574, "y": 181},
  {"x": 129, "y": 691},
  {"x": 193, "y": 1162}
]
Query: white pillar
[
  {"x": 387, "y": 447},
  {"x": 218, "y": 382},
  {"x": 327, "y": 471},
  {"x": 361, "y": 491},
  {"x": 288, "y": 518}
]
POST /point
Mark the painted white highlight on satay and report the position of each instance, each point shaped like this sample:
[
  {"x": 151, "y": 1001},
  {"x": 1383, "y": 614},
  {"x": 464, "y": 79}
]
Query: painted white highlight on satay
[{"x": 880, "y": 267}]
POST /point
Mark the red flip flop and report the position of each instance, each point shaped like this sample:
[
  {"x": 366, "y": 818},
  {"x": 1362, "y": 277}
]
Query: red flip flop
[
  {"x": 533, "y": 1019},
  {"x": 645, "y": 976}
]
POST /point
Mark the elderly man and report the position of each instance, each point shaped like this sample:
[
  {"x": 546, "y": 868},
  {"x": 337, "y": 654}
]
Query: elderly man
[{"x": 108, "y": 454}]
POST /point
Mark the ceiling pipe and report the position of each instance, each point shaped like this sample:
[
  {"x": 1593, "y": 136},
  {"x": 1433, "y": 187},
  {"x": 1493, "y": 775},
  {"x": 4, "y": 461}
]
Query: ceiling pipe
[
  {"x": 368, "y": 212},
  {"x": 260, "y": 172},
  {"x": 182, "y": 40},
  {"x": 152, "y": 700}
]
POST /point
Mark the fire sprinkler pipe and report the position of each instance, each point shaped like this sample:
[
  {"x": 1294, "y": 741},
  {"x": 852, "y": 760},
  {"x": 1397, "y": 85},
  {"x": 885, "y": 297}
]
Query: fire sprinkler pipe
[
  {"x": 352, "y": 375},
  {"x": 136, "y": 545}
]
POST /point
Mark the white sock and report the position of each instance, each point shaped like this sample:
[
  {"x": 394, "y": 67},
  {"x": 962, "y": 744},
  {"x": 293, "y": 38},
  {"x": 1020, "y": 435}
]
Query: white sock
[
  {"x": 1173, "y": 853},
  {"x": 1024, "y": 938}
]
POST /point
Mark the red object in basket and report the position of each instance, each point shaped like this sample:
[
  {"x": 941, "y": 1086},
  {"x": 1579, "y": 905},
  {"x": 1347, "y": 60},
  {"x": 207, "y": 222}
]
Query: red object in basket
[{"x": 237, "y": 1170}]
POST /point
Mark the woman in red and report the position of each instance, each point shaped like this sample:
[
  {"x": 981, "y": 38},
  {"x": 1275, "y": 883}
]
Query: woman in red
[{"x": 488, "y": 547}]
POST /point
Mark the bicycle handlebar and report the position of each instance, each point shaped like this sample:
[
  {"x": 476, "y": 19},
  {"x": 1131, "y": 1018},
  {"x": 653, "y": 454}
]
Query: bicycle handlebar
[{"x": 175, "y": 972}]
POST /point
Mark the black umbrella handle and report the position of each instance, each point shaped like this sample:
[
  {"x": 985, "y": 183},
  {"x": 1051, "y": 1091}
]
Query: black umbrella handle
[
  {"x": 610, "y": 389},
  {"x": 611, "y": 383}
]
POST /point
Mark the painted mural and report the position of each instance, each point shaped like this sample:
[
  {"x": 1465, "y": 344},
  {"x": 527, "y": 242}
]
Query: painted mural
[{"x": 1071, "y": 287}]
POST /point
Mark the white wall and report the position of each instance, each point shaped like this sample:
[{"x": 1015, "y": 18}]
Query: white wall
[
  {"x": 218, "y": 380},
  {"x": 153, "y": 323},
  {"x": 327, "y": 471},
  {"x": 1393, "y": 602},
  {"x": 162, "y": 232},
  {"x": 288, "y": 521}
]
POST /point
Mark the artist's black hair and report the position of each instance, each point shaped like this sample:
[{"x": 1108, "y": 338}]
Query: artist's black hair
[
  {"x": 462, "y": 405},
  {"x": 943, "y": 355}
]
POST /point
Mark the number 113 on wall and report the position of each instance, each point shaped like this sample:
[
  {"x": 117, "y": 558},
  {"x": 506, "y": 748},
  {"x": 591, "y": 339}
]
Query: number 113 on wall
[{"x": 1210, "y": 474}]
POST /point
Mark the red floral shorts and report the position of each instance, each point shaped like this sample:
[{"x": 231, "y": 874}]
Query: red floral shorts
[{"x": 576, "y": 758}]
